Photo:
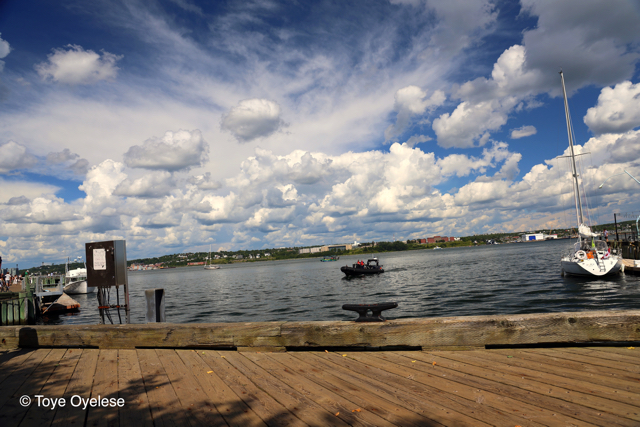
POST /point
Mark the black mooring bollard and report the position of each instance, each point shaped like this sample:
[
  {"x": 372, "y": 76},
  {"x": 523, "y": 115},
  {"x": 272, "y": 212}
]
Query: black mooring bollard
[{"x": 376, "y": 310}]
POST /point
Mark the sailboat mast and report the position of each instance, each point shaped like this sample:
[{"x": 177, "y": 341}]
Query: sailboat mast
[{"x": 574, "y": 170}]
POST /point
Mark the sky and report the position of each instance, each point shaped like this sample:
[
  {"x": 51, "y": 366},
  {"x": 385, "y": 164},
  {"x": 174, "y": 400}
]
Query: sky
[{"x": 180, "y": 125}]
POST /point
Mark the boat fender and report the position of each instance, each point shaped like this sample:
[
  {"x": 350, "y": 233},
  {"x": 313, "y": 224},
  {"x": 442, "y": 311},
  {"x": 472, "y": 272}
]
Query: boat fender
[{"x": 581, "y": 254}]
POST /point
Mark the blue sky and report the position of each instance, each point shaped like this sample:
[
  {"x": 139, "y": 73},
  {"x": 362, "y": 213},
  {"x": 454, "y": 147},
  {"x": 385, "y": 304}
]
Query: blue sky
[{"x": 178, "y": 124}]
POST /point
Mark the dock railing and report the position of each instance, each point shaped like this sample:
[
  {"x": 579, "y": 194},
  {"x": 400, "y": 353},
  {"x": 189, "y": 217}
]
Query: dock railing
[{"x": 18, "y": 308}]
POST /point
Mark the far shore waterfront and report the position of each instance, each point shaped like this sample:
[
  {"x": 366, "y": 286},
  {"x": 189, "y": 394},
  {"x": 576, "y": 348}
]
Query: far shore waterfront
[{"x": 365, "y": 250}]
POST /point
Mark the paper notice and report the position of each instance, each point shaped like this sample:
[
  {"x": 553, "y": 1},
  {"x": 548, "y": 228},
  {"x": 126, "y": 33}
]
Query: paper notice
[{"x": 99, "y": 259}]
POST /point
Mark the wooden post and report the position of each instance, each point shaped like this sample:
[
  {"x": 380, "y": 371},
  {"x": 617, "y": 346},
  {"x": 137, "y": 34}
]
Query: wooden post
[
  {"x": 9, "y": 312},
  {"x": 615, "y": 220},
  {"x": 16, "y": 311},
  {"x": 3, "y": 309},
  {"x": 31, "y": 308},
  {"x": 22, "y": 307}
]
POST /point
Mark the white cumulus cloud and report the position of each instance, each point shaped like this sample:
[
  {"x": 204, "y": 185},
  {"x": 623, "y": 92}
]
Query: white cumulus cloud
[
  {"x": 618, "y": 109},
  {"x": 411, "y": 101},
  {"x": 151, "y": 185},
  {"x": 4, "y": 48},
  {"x": 21, "y": 190},
  {"x": 15, "y": 156},
  {"x": 252, "y": 118},
  {"x": 204, "y": 182},
  {"x": 469, "y": 123},
  {"x": 175, "y": 151},
  {"x": 78, "y": 66},
  {"x": 523, "y": 131},
  {"x": 4, "y": 51}
]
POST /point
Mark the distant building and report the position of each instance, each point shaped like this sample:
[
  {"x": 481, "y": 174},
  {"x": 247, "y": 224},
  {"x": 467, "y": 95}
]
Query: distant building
[
  {"x": 422, "y": 241},
  {"x": 310, "y": 250},
  {"x": 532, "y": 237},
  {"x": 345, "y": 247}
]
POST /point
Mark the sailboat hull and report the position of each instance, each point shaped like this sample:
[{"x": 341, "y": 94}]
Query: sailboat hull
[{"x": 590, "y": 267}]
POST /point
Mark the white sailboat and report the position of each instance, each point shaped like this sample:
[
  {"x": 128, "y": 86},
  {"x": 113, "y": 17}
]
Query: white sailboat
[
  {"x": 589, "y": 257},
  {"x": 208, "y": 265}
]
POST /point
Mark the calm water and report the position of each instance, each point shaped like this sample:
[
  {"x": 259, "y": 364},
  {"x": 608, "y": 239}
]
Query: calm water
[{"x": 499, "y": 279}]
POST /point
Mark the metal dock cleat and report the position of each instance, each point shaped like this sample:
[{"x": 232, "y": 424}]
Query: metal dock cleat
[{"x": 376, "y": 310}]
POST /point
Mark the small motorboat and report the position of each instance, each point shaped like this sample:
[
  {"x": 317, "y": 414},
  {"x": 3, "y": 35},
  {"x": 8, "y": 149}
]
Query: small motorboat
[
  {"x": 330, "y": 258},
  {"x": 371, "y": 267}
]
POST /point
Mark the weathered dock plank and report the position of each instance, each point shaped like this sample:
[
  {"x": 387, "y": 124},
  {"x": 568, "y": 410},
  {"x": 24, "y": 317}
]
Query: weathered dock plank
[
  {"x": 528, "y": 376},
  {"x": 292, "y": 373},
  {"x": 233, "y": 409},
  {"x": 303, "y": 408},
  {"x": 391, "y": 388},
  {"x": 630, "y": 351},
  {"x": 189, "y": 391},
  {"x": 629, "y": 370},
  {"x": 572, "y": 398},
  {"x": 465, "y": 390},
  {"x": 18, "y": 376},
  {"x": 565, "y": 368},
  {"x": 426, "y": 333},
  {"x": 163, "y": 400},
  {"x": 615, "y": 358},
  {"x": 136, "y": 411},
  {"x": 11, "y": 360},
  {"x": 259, "y": 400},
  {"x": 105, "y": 385},
  {"x": 423, "y": 399},
  {"x": 79, "y": 385},
  {"x": 12, "y": 412},
  {"x": 55, "y": 386},
  {"x": 345, "y": 397}
]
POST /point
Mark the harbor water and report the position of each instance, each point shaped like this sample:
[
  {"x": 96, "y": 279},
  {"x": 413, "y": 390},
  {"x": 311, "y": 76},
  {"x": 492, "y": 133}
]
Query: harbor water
[{"x": 482, "y": 280}]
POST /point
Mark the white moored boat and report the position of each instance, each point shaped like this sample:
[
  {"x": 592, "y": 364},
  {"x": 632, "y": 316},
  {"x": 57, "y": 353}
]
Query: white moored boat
[
  {"x": 589, "y": 257},
  {"x": 75, "y": 282},
  {"x": 209, "y": 265}
]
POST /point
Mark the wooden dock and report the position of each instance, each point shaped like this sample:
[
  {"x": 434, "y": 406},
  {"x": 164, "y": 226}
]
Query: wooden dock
[
  {"x": 181, "y": 387},
  {"x": 630, "y": 266}
]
